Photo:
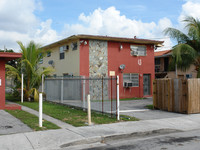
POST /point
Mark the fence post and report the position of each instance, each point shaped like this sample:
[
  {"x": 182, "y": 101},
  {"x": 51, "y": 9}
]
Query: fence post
[
  {"x": 111, "y": 96},
  {"x": 89, "y": 109},
  {"x": 22, "y": 88},
  {"x": 42, "y": 83},
  {"x": 102, "y": 95},
  {"x": 83, "y": 92},
  {"x": 118, "y": 98},
  {"x": 40, "y": 110},
  {"x": 61, "y": 90}
]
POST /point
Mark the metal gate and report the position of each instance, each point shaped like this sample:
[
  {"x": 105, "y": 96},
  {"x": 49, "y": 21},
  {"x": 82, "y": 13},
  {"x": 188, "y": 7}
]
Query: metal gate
[{"x": 73, "y": 91}]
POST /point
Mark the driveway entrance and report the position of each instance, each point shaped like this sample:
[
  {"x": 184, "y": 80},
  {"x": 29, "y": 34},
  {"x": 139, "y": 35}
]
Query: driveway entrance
[{"x": 136, "y": 108}]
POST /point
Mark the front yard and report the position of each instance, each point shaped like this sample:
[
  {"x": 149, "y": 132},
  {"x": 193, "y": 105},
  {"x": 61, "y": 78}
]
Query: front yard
[{"x": 72, "y": 115}]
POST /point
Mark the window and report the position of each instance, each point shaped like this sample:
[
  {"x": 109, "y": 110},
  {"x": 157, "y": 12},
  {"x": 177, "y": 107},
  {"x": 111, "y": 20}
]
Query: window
[
  {"x": 188, "y": 76},
  {"x": 157, "y": 61},
  {"x": 157, "y": 65},
  {"x": 62, "y": 53},
  {"x": 41, "y": 59},
  {"x": 138, "y": 50},
  {"x": 74, "y": 46},
  {"x": 48, "y": 54},
  {"x": 131, "y": 80}
]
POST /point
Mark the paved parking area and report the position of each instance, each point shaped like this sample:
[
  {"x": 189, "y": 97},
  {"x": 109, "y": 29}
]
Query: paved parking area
[
  {"x": 136, "y": 108},
  {"x": 10, "y": 124}
]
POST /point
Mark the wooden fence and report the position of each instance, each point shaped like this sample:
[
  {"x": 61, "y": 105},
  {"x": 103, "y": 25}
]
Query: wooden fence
[{"x": 177, "y": 95}]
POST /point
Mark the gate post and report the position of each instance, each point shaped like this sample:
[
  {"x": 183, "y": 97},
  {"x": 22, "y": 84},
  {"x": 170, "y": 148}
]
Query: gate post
[
  {"x": 22, "y": 88},
  {"x": 83, "y": 92},
  {"x": 42, "y": 83},
  {"x": 61, "y": 90},
  {"x": 118, "y": 98},
  {"x": 89, "y": 110},
  {"x": 40, "y": 109}
]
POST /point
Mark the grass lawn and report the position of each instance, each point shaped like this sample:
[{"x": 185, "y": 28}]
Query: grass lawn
[
  {"x": 31, "y": 120},
  {"x": 73, "y": 116},
  {"x": 130, "y": 99}
]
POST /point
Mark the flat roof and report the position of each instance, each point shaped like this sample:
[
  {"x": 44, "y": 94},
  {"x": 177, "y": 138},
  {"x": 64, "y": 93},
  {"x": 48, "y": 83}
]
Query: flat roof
[
  {"x": 106, "y": 38},
  {"x": 10, "y": 56}
]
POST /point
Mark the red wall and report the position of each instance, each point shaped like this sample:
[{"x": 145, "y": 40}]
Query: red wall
[
  {"x": 116, "y": 57},
  {"x": 2, "y": 87},
  {"x": 84, "y": 59}
]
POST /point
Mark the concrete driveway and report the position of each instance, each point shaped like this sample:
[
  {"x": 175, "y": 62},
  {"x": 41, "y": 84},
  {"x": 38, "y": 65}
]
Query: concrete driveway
[
  {"x": 136, "y": 108},
  {"x": 10, "y": 124}
]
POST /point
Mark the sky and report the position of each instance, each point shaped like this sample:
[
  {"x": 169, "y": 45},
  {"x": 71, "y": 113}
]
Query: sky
[{"x": 47, "y": 21}]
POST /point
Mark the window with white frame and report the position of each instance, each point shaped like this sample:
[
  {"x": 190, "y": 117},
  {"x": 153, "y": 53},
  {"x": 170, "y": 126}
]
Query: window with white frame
[
  {"x": 138, "y": 50},
  {"x": 48, "y": 54},
  {"x": 74, "y": 46},
  {"x": 62, "y": 53},
  {"x": 41, "y": 59},
  {"x": 131, "y": 79}
]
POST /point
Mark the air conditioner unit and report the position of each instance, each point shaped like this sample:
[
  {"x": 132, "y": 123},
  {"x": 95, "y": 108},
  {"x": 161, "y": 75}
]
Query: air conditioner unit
[
  {"x": 128, "y": 84},
  {"x": 134, "y": 53},
  {"x": 66, "y": 47}
]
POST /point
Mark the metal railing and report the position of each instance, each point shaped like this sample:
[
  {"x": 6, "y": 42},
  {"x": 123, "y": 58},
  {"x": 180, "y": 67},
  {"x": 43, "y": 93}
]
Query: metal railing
[{"x": 73, "y": 91}]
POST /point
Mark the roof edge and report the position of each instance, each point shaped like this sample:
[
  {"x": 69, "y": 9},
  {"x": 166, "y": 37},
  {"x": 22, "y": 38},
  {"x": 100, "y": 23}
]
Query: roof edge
[{"x": 108, "y": 38}]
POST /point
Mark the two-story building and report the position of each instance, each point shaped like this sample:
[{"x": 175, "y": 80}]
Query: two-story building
[
  {"x": 162, "y": 70},
  {"x": 101, "y": 56}
]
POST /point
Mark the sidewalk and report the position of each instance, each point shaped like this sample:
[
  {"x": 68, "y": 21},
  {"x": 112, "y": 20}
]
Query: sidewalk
[{"x": 68, "y": 135}]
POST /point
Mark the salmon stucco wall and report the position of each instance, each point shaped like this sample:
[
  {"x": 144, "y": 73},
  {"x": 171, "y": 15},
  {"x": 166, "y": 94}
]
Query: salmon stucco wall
[
  {"x": 84, "y": 59},
  {"x": 117, "y": 56},
  {"x": 2, "y": 86}
]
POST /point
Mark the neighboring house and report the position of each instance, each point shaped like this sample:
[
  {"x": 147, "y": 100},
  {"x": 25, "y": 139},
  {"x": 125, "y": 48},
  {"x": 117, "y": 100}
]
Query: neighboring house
[
  {"x": 102, "y": 56},
  {"x": 162, "y": 61}
]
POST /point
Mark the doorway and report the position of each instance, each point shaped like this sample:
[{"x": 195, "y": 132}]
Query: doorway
[{"x": 146, "y": 84}]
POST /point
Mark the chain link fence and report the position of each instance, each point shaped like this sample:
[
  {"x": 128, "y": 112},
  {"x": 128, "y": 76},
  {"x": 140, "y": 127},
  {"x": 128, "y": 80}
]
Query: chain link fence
[{"x": 73, "y": 91}]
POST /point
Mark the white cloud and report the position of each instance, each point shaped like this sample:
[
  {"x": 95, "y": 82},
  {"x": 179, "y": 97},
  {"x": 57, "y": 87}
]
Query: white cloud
[
  {"x": 110, "y": 22},
  {"x": 19, "y": 23},
  {"x": 190, "y": 8}
]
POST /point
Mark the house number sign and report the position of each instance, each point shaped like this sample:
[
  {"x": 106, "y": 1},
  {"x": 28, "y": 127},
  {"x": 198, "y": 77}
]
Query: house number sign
[{"x": 139, "y": 62}]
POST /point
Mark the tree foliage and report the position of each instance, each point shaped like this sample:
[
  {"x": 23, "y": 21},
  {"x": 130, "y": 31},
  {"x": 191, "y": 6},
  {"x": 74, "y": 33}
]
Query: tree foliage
[
  {"x": 187, "y": 51},
  {"x": 29, "y": 66}
]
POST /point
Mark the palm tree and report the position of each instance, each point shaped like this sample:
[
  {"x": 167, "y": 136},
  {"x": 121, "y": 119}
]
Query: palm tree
[
  {"x": 29, "y": 66},
  {"x": 187, "y": 51}
]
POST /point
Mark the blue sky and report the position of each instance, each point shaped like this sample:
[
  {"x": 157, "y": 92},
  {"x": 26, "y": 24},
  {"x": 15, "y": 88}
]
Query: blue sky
[
  {"x": 62, "y": 11},
  {"x": 46, "y": 21}
]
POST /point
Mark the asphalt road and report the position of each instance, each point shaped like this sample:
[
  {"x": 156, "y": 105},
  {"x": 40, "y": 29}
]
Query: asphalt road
[{"x": 189, "y": 140}]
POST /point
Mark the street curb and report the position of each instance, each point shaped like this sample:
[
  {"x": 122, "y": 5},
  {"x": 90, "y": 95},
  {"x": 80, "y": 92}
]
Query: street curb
[{"x": 103, "y": 139}]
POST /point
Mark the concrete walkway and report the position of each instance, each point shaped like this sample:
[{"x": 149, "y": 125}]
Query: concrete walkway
[
  {"x": 63, "y": 138},
  {"x": 10, "y": 124}
]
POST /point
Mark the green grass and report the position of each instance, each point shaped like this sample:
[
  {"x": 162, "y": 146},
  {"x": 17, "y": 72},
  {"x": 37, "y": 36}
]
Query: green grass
[
  {"x": 130, "y": 99},
  {"x": 73, "y": 116},
  {"x": 150, "y": 107},
  {"x": 32, "y": 121}
]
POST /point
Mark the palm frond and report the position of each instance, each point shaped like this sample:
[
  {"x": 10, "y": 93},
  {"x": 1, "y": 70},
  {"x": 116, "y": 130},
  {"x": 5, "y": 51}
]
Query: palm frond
[
  {"x": 177, "y": 35},
  {"x": 184, "y": 56}
]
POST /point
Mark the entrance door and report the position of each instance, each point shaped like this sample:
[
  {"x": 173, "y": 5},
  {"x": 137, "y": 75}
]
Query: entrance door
[{"x": 146, "y": 84}]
